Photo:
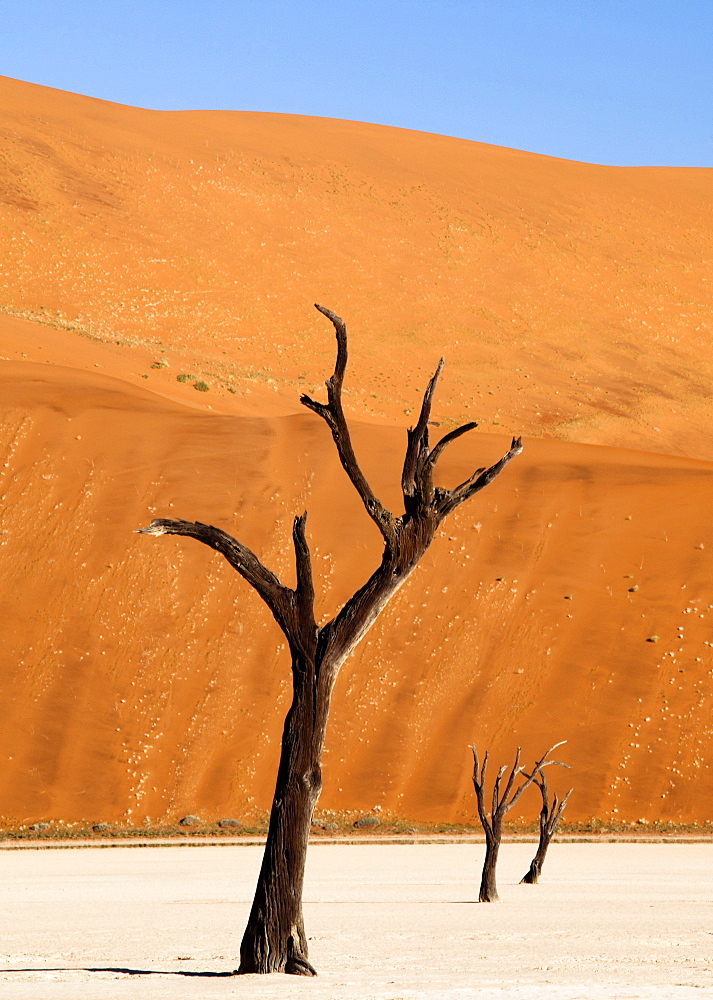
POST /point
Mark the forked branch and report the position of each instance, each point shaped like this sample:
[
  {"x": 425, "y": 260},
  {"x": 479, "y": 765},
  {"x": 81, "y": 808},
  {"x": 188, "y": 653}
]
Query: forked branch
[
  {"x": 333, "y": 414},
  {"x": 419, "y": 462},
  {"x": 502, "y": 800},
  {"x": 417, "y": 447},
  {"x": 241, "y": 558},
  {"x": 450, "y": 499}
]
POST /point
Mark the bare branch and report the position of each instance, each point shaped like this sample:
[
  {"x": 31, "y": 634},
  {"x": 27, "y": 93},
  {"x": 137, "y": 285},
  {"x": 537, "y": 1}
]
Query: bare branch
[
  {"x": 479, "y": 778},
  {"x": 516, "y": 769},
  {"x": 240, "y": 557},
  {"x": 304, "y": 589},
  {"x": 447, "y": 439},
  {"x": 537, "y": 770},
  {"x": 340, "y": 328},
  {"x": 461, "y": 486},
  {"x": 485, "y": 765},
  {"x": 544, "y": 792},
  {"x": 558, "y": 806},
  {"x": 417, "y": 447},
  {"x": 333, "y": 415},
  {"x": 519, "y": 791},
  {"x": 478, "y": 481},
  {"x": 426, "y": 464},
  {"x": 504, "y": 799},
  {"x": 496, "y": 787},
  {"x": 543, "y": 762},
  {"x": 479, "y": 785},
  {"x": 550, "y": 816}
]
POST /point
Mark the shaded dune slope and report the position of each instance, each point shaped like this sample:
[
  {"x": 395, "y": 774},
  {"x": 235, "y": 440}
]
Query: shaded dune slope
[{"x": 142, "y": 677}]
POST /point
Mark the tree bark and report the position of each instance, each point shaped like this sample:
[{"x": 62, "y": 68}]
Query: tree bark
[
  {"x": 535, "y": 870},
  {"x": 488, "y": 887},
  {"x": 274, "y": 938}
]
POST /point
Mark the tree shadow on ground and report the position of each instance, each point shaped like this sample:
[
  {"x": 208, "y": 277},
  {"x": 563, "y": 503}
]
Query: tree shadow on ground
[{"x": 130, "y": 972}]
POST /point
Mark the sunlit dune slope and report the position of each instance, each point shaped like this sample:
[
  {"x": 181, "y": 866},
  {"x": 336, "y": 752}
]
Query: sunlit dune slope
[
  {"x": 578, "y": 295},
  {"x": 140, "y": 676}
]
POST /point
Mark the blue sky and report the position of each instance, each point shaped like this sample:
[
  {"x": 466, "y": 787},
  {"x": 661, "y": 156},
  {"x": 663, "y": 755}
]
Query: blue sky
[{"x": 626, "y": 83}]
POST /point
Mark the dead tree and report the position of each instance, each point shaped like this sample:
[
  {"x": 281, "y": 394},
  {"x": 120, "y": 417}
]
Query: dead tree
[
  {"x": 274, "y": 940},
  {"x": 503, "y": 799},
  {"x": 550, "y": 816}
]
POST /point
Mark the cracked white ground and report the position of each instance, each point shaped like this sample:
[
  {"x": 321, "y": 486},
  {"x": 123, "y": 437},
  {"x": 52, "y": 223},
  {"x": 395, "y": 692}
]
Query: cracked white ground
[{"x": 385, "y": 921}]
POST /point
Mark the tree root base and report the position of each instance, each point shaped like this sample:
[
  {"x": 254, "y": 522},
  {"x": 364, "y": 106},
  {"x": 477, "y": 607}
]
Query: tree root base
[
  {"x": 296, "y": 965},
  {"x": 293, "y": 968}
]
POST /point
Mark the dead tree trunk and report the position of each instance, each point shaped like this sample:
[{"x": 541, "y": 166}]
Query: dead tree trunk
[
  {"x": 502, "y": 801},
  {"x": 550, "y": 816},
  {"x": 274, "y": 940},
  {"x": 488, "y": 887}
]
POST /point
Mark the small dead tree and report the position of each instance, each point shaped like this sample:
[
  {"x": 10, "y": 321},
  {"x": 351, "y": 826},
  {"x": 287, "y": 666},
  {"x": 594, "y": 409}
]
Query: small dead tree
[
  {"x": 550, "y": 816},
  {"x": 503, "y": 799},
  {"x": 274, "y": 939}
]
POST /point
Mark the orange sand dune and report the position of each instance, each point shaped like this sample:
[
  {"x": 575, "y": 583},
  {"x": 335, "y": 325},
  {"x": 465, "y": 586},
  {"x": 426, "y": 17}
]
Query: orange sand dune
[
  {"x": 140, "y": 676},
  {"x": 578, "y": 295}
]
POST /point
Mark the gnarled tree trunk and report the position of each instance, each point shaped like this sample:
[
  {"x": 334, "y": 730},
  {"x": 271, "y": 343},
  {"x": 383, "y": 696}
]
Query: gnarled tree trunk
[
  {"x": 535, "y": 869},
  {"x": 274, "y": 939},
  {"x": 488, "y": 885},
  {"x": 549, "y": 821}
]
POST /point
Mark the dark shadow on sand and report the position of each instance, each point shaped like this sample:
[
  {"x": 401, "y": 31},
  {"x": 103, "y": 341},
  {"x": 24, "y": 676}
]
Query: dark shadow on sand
[{"x": 132, "y": 972}]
